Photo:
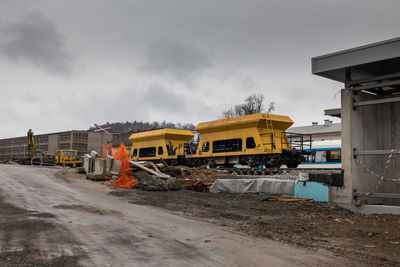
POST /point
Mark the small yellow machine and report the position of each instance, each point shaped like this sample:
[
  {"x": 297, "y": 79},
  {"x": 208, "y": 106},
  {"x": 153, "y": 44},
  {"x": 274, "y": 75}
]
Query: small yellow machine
[
  {"x": 68, "y": 157},
  {"x": 162, "y": 143}
]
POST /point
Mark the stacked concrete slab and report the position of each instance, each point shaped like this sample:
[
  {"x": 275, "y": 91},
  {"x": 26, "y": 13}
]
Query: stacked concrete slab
[{"x": 97, "y": 168}]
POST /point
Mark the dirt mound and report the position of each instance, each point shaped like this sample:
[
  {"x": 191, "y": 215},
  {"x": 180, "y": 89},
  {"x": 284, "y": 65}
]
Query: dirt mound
[{"x": 199, "y": 173}]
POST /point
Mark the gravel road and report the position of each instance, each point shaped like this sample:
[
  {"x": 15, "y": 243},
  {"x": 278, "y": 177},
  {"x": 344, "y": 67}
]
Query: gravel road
[{"x": 46, "y": 221}]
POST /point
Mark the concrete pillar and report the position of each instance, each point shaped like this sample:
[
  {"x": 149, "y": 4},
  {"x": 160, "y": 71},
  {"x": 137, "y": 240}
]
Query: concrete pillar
[
  {"x": 342, "y": 196},
  {"x": 373, "y": 127}
]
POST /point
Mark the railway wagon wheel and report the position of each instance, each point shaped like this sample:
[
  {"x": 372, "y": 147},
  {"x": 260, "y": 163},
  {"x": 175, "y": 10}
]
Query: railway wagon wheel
[{"x": 292, "y": 165}]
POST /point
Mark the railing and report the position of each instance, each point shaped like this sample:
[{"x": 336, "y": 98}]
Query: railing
[{"x": 297, "y": 141}]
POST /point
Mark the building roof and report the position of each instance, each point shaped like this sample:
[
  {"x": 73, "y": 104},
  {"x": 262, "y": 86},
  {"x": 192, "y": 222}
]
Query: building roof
[
  {"x": 365, "y": 61},
  {"x": 333, "y": 128},
  {"x": 334, "y": 112}
]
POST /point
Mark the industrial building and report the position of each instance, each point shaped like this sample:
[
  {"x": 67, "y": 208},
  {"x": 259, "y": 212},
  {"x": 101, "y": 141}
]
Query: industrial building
[
  {"x": 320, "y": 132},
  {"x": 370, "y": 110},
  {"x": 83, "y": 141}
]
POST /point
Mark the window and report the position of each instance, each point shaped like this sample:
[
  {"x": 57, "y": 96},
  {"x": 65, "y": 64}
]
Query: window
[
  {"x": 250, "y": 142},
  {"x": 325, "y": 156},
  {"x": 230, "y": 145},
  {"x": 68, "y": 153},
  {"x": 206, "y": 147},
  {"x": 335, "y": 156},
  {"x": 135, "y": 152},
  {"x": 147, "y": 152},
  {"x": 160, "y": 150},
  {"x": 308, "y": 158},
  {"x": 320, "y": 156}
]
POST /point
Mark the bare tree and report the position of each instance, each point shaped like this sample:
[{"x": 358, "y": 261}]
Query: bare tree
[
  {"x": 271, "y": 107},
  {"x": 230, "y": 113},
  {"x": 254, "y": 103}
]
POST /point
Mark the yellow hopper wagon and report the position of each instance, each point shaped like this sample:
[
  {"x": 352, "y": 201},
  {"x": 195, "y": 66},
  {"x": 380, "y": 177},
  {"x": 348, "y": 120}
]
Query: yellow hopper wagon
[
  {"x": 257, "y": 139},
  {"x": 168, "y": 144}
]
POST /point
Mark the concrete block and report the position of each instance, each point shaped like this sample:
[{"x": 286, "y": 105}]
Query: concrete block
[
  {"x": 116, "y": 166},
  {"x": 99, "y": 166},
  {"x": 376, "y": 209},
  {"x": 94, "y": 154},
  {"x": 304, "y": 176},
  {"x": 109, "y": 163},
  {"x": 87, "y": 163},
  {"x": 99, "y": 169},
  {"x": 314, "y": 190}
]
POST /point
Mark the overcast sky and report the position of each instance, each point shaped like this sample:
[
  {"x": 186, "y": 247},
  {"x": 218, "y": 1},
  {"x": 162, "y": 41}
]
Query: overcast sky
[{"x": 68, "y": 64}]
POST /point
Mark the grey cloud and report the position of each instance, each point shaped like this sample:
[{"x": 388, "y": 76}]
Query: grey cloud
[
  {"x": 35, "y": 39},
  {"x": 177, "y": 58},
  {"x": 238, "y": 47},
  {"x": 161, "y": 99}
]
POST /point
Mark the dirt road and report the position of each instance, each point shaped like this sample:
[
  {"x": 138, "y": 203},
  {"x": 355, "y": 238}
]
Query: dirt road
[{"x": 47, "y": 221}]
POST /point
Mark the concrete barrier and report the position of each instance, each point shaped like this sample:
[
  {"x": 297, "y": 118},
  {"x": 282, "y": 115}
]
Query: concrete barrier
[
  {"x": 109, "y": 163},
  {"x": 99, "y": 169},
  {"x": 87, "y": 163},
  {"x": 314, "y": 190},
  {"x": 94, "y": 154}
]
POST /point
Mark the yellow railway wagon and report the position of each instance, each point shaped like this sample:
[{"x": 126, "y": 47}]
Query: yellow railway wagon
[
  {"x": 163, "y": 143},
  {"x": 257, "y": 139}
]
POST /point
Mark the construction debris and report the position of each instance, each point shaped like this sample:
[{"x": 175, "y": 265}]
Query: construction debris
[
  {"x": 155, "y": 183},
  {"x": 154, "y": 166},
  {"x": 168, "y": 168},
  {"x": 158, "y": 174}
]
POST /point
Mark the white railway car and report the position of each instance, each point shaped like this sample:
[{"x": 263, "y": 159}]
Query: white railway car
[{"x": 327, "y": 155}]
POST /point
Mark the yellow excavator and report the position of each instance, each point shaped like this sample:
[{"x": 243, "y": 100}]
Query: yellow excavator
[
  {"x": 31, "y": 144},
  {"x": 37, "y": 157}
]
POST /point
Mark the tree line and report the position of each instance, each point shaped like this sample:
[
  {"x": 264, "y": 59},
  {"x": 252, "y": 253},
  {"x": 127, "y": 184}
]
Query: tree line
[
  {"x": 136, "y": 126},
  {"x": 254, "y": 103}
]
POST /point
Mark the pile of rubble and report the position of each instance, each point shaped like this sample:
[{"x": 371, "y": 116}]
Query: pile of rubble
[
  {"x": 125, "y": 173},
  {"x": 148, "y": 175}
]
